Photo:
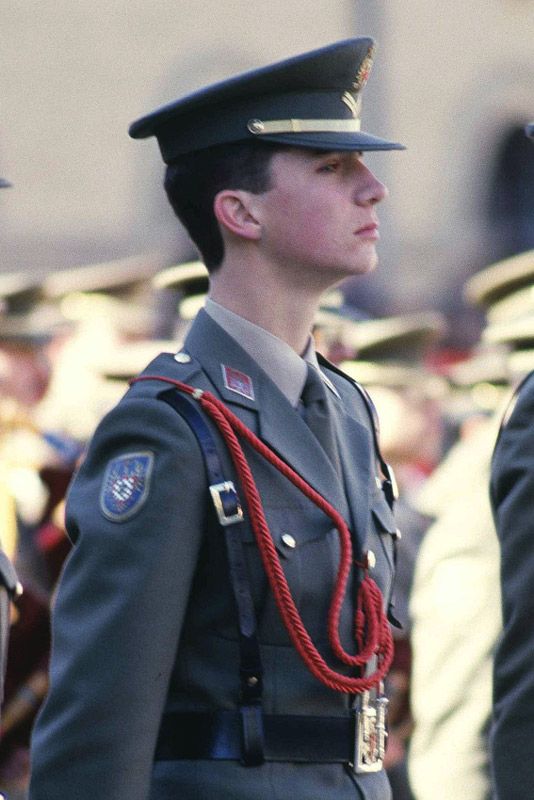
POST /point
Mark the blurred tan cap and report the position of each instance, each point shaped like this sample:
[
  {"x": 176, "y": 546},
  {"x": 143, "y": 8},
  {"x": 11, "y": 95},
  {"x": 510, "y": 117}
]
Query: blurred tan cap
[
  {"x": 395, "y": 375},
  {"x": 517, "y": 333},
  {"x": 127, "y": 360},
  {"x": 401, "y": 338},
  {"x": 190, "y": 278},
  {"x": 24, "y": 316},
  {"x": 500, "y": 280},
  {"x": 120, "y": 277}
]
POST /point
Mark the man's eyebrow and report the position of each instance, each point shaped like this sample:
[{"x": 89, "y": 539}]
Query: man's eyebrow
[{"x": 324, "y": 153}]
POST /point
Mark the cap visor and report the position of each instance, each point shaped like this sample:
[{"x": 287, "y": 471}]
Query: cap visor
[{"x": 334, "y": 141}]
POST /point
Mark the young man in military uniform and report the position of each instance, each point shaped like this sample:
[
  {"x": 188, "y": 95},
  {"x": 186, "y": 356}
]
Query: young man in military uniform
[{"x": 173, "y": 674}]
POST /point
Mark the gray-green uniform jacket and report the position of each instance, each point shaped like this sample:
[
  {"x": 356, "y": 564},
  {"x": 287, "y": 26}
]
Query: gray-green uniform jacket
[{"x": 145, "y": 621}]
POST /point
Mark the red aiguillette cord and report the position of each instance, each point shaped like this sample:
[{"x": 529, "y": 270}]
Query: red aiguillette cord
[{"x": 371, "y": 626}]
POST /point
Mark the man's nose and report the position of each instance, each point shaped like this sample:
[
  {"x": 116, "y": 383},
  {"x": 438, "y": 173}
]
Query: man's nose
[{"x": 371, "y": 190}]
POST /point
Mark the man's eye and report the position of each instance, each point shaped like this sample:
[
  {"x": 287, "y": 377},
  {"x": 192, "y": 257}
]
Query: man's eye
[{"x": 332, "y": 166}]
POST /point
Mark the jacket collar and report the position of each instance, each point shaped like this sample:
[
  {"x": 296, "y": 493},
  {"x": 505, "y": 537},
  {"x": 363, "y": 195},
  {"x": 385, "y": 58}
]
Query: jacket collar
[{"x": 278, "y": 424}]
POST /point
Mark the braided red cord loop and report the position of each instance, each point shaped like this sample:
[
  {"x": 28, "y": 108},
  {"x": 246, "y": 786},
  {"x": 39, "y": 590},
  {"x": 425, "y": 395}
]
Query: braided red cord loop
[{"x": 372, "y": 630}]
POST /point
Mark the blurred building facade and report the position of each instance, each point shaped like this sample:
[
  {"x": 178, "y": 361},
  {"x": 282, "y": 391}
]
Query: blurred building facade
[{"x": 452, "y": 82}]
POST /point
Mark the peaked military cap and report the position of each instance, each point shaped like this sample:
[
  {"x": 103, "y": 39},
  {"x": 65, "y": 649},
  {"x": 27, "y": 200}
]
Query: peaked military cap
[
  {"x": 24, "y": 317},
  {"x": 4, "y": 184},
  {"x": 400, "y": 338},
  {"x": 190, "y": 278},
  {"x": 311, "y": 100},
  {"x": 119, "y": 278},
  {"x": 189, "y": 283},
  {"x": 500, "y": 280}
]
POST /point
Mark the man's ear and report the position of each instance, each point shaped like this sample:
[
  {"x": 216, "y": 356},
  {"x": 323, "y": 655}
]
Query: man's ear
[{"x": 232, "y": 211}]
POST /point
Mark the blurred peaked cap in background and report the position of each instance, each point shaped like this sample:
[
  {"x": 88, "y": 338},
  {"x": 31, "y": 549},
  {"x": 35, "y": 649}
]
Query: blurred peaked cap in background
[
  {"x": 396, "y": 375},
  {"x": 125, "y": 316},
  {"x": 500, "y": 280},
  {"x": 516, "y": 305},
  {"x": 189, "y": 278},
  {"x": 19, "y": 292},
  {"x": 36, "y": 327},
  {"x": 311, "y": 100},
  {"x": 516, "y": 333},
  {"x": 487, "y": 364},
  {"x": 189, "y": 282},
  {"x": 521, "y": 362},
  {"x": 119, "y": 277},
  {"x": 127, "y": 360},
  {"x": 4, "y": 184},
  {"x": 24, "y": 316},
  {"x": 399, "y": 338}
]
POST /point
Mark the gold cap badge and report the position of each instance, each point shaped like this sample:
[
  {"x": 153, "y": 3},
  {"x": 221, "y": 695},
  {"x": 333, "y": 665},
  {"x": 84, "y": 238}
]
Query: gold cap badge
[{"x": 364, "y": 70}]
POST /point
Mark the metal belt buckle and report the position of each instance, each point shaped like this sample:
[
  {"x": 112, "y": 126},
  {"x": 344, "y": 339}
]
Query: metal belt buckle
[
  {"x": 226, "y": 502},
  {"x": 370, "y": 733}
]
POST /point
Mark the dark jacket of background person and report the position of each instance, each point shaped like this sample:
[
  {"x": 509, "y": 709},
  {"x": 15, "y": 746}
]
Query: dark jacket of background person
[{"x": 512, "y": 497}]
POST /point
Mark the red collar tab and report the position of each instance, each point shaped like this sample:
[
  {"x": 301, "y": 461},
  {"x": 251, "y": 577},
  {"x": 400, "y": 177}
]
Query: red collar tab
[{"x": 238, "y": 382}]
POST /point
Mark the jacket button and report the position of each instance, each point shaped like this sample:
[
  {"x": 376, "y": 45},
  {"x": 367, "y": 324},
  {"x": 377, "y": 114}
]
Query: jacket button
[
  {"x": 182, "y": 358},
  {"x": 371, "y": 559},
  {"x": 289, "y": 540}
]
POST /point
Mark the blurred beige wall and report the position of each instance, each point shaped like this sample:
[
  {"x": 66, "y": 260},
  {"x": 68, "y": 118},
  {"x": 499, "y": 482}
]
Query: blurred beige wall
[
  {"x": 75, "y": 74},
  {"x": 449, "y": 78},
  {"x": 464, "y": 73}
]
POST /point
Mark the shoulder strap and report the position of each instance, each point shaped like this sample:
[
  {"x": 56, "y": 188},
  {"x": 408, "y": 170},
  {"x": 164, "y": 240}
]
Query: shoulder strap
[{"x": 229, "y": 515}]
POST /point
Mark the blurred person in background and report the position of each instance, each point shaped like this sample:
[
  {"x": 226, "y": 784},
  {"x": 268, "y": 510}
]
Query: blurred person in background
[
  {"x": 107, "y": 304},
  {"x": 9, "y": 584},
  {"x": 37, "y": 465},
  {"x": 35, "y": 474},
  {"x": 456, "y": 603},
  {"x": 392, "y": 355}
]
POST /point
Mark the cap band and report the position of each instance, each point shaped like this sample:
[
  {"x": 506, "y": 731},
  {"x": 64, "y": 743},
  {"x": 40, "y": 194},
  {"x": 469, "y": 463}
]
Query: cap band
[{"x": 260, "y": 127}]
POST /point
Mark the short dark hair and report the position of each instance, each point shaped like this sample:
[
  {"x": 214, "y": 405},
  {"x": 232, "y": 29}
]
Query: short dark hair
[{"x": 192, "y": 182}]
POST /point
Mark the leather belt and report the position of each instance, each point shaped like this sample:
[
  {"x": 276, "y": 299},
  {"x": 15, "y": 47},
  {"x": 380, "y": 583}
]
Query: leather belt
[{"x": 218, "y": 736}]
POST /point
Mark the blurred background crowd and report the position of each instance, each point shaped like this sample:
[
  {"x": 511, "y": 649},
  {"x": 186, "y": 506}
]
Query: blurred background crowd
[{"x": 96, "y": 278}]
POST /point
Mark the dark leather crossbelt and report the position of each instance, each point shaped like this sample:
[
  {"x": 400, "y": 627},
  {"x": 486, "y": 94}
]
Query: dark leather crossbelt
[{"x": 219, "y": 735}]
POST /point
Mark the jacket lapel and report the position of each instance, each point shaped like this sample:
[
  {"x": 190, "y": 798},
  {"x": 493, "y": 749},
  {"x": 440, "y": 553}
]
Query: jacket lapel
[
  {"x": 267, "y": 413},
  {"x": 355, "y": 452}
]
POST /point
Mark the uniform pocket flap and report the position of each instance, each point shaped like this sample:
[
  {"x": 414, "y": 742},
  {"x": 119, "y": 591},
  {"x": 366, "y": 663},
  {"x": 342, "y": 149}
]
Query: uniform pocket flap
[
  {"x": 290, "y": 530},
  {"x": 383, "y": 517}
]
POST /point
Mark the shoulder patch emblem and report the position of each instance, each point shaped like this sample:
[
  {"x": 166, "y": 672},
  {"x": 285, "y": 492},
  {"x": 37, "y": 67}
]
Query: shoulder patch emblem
[{"x": 126, "y": 484}]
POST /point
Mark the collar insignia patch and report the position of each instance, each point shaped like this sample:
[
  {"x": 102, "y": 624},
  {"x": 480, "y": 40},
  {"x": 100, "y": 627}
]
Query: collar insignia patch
[
  {"x": 238, "y": 382},
  {"x": 126, "y": 484}
]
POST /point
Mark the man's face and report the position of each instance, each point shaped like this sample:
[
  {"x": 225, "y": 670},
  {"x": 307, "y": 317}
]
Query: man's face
[{"x": 319, "y": 218}]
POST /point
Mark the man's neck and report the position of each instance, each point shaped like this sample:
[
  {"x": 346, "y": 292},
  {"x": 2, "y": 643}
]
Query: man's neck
[{"x": 266, "y": 300}]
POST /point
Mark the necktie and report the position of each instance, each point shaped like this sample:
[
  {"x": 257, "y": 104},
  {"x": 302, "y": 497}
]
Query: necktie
[{"x": 316, "y": 414}]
